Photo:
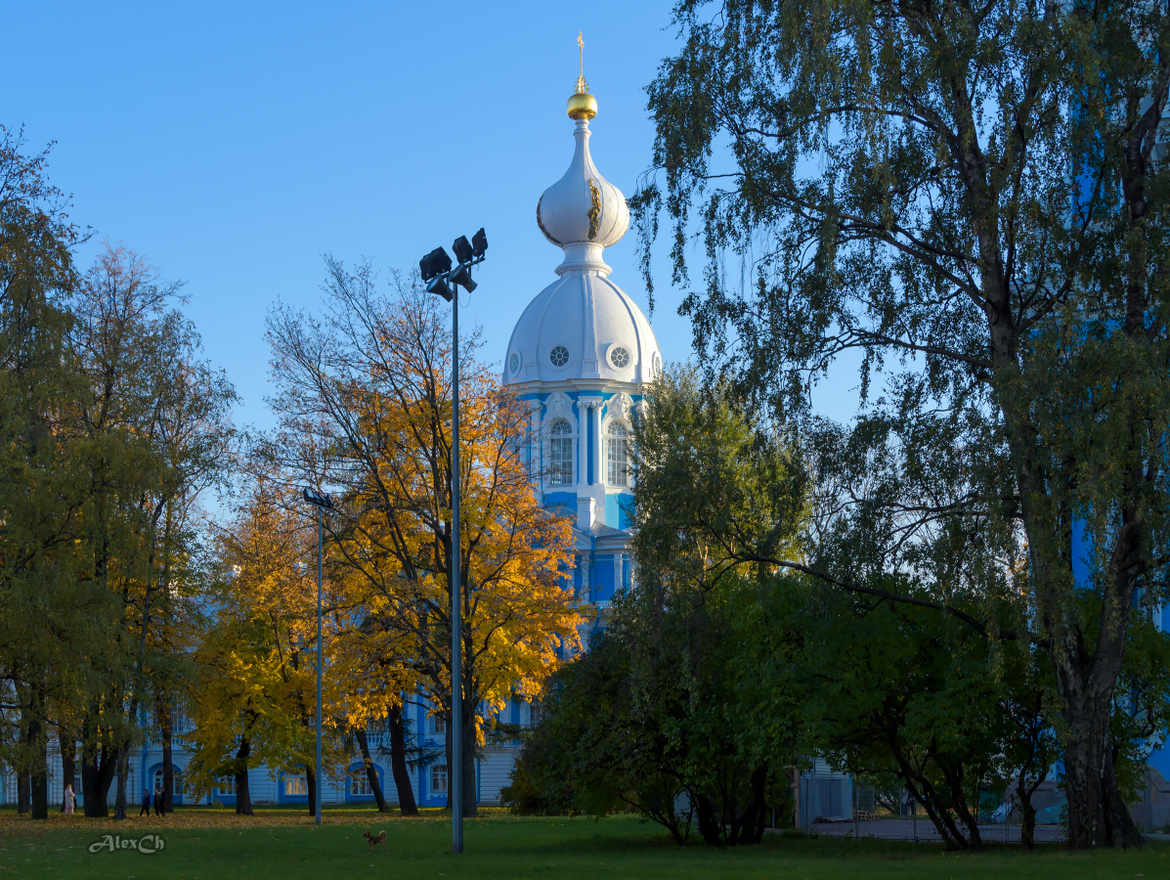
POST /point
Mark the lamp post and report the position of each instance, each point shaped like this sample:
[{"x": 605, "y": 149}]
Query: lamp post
[
  {"x": 438, "y": 275},
  {"x": 322, "y": 503}
]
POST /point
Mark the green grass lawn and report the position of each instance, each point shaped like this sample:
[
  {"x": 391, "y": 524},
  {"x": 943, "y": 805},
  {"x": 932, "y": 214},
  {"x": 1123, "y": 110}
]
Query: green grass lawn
[{"x": 280, "y": 844}]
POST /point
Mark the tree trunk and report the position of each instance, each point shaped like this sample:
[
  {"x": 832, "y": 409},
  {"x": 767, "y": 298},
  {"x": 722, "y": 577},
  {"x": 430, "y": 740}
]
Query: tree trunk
[
  {"x": 406, "y": 803},
  {"x": 1024, "y": 792},
  {"x": 123, "y": 776},
  {"x": 371, "y": 771},
  {"x": 68, "y": 748},
  {"x": 468, "y": 706},
  {"x": 1097, "y": 814},
  {"x": 708, "y": 817},
  {"x": 243, "y": 794},
  {"x": 311, "y": 789},
  {"x": 23, "y": 792},
  {"x": 1027, "y": 821},
  {"x": 752, "y": 826},
  {"x": 39, "y": 781},
  {"x": 97, "y": 772}
]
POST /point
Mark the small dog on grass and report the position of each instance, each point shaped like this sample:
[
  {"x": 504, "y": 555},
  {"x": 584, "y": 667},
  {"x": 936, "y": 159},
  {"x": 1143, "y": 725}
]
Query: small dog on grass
[{"x": 380, "y": 837}]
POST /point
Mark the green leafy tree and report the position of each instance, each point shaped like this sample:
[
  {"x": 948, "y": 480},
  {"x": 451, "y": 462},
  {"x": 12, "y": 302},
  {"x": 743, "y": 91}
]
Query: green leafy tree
[
  {"x": 973, "y": 199},
  {"x": 601, "y": 746},
  {"x": 890, "y": 686},
  {"x": 50, "y": 620},
  {"x": 716, "y": 499},
  {"x": 657, "y": 715},
  {"x": 154, "y": 431}
]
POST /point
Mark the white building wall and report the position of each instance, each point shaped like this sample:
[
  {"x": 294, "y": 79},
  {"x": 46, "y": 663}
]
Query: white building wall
[{"x": 494, "y": 770}]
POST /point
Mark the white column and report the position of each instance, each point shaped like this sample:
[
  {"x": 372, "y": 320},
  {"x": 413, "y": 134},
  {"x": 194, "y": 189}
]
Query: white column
[
  {"x": 534, "y": 444},
  {"x": 598, "y": 458}
]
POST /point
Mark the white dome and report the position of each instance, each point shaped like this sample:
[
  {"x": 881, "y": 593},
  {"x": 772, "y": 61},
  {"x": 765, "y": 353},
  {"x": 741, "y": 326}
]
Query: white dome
[
  {"x": 582, "y": 326},
  {"x": 583, "y": 207}
]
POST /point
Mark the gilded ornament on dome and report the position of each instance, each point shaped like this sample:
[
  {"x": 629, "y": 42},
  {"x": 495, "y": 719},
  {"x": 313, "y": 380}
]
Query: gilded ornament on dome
[
  {"x": 541, "y": 225},
  {"x": 595, "y": 211}
]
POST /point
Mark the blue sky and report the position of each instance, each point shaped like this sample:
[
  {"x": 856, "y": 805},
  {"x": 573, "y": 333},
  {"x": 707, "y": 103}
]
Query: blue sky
[{"x": 232, "y": 144}]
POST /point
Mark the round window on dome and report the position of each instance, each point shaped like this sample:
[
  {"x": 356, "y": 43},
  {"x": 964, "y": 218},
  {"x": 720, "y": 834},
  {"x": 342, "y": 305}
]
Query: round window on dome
[
  {"x": 514, "y": 363},
  {"x": 619, "y": 357},
  {"x": 559, "y": 356},
  {"x": 656, "y": 365}
]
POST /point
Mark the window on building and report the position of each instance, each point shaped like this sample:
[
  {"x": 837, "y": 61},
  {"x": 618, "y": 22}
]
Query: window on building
[
  {"x": 226, "y": 785},
  {"x": 619, "y": 465},
  {"x": 535, "y": 713},
  {"x": 561, "y": 454},
  {"x": 439, "y": 778},
  {"x": 361, "y": 784},
  {"x": 296, "y": 785},
  {"x": 177, "y": 778},
  {"x": 438, "y": 724}
]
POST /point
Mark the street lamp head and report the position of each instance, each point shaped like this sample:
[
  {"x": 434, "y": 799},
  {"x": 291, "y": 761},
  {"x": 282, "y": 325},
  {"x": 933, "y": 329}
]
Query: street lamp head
[
  {"x": 318, "y": 500},
  {"x": 437, "y": 262},
  {"x": 479, "y": 243},
  {"x": 438, "y": 285},
  {"x": 462, "y": 248},
  {"x": 462, "y": 277},
  {"x": 434, "y": 268}
]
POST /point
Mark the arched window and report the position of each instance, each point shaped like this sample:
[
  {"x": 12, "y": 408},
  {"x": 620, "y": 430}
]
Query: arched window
[
  {"x": 360, "y": 784},
  {"x": 560, "y": 468},
  {"x": 176, "y": 776},
  {"x": 619, "y": 462}
]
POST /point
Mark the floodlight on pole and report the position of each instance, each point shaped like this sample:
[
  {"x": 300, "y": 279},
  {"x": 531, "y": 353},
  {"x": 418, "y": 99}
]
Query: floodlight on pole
[
  {"x": 322, "y": 503},
  {"x": 436, "y": 271},
  {"x": 462, "y": 273},
  {"x": 434, "y": 268}
]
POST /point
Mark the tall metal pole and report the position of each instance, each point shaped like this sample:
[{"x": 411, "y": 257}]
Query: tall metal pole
[
  {"x": 320, "y": 542},
  {"x": 455, "y": 772}
]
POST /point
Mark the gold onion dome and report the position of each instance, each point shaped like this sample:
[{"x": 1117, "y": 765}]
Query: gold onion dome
[{"x": 582, "y": 105}]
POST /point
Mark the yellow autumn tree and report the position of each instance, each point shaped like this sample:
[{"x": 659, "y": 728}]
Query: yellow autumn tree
[
  {"x": 364, "y": 393},
  {"x": 254, "y": 701}
]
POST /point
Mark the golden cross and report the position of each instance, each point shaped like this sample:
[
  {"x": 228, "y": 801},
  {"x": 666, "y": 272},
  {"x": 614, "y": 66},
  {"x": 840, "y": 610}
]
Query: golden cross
[{"x": 581, "y": 85}]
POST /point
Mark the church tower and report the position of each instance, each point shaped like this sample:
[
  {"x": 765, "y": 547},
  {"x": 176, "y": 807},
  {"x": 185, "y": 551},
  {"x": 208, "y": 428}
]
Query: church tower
[{"x": 579, "y": 355}]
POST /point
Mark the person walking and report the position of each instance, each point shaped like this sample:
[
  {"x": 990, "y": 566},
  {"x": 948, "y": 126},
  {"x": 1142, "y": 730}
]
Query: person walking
[
  {"x": 145, "y": 803},
  {"x": 69, "y": 800},
  {"x": 158, "y": 804}
]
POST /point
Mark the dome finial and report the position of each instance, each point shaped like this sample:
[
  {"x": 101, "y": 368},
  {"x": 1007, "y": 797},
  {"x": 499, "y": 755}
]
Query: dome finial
[
  {"x": 582, "y": 86},
  {"x": 582, "y": 105}
]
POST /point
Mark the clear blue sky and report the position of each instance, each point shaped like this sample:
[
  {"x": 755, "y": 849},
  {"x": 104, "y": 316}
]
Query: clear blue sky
[{"x": 232, "y": 144}]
